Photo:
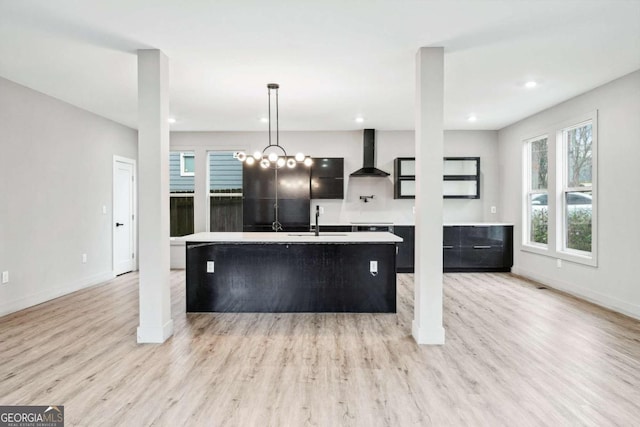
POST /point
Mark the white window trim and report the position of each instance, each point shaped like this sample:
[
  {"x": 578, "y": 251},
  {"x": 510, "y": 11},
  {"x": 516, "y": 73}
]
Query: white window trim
[
  {"x": 555, "y": 196},
  {"x": 581, "y": 257},
  {"x": 182, "y": 156},
  {"x": 527, "y": 245}
]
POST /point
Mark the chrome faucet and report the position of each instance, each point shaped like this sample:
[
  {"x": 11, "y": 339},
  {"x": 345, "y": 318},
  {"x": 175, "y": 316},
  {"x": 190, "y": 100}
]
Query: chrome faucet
[{"x": 317, "y": 216}]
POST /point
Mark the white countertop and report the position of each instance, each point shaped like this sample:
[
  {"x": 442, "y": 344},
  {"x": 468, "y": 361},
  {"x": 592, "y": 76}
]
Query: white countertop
[
  {"x": 475, "y": 224},
  {"x": 446, "y": 224},
  {"x": 294, "y": 237}
]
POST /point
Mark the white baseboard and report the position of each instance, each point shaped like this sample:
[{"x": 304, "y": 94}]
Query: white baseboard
[
  {"x": 155, "y": 335},
  {"x": 49, "y": 294},
  {"x": 615, "y": 304},
  {"x": 431, "y": 336}
]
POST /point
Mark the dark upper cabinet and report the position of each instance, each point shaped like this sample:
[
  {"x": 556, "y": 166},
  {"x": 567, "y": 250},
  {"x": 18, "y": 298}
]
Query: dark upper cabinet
[
  {"x": 461, "y": 178},
  {"x": 258, "y": 182},
  {"x": 294, "y": 183},
  {"x": 405, "y": 259},
  {"x": 404, "y": 174},
  {"x": 327, "y": 178}
]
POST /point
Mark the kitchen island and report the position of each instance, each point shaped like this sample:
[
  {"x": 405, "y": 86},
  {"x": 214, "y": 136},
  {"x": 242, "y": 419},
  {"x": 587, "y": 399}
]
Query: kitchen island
[{"x": 291, "y": 272}]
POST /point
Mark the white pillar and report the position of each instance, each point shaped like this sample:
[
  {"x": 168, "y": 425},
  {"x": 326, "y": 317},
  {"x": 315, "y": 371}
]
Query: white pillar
[
  {"x": 427, "y": 323},
  {"x": 153, "y": 196}
]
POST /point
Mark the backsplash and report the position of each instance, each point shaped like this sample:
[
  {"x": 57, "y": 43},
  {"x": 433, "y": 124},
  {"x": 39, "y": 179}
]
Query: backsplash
[{"x": 348, "y": 145}]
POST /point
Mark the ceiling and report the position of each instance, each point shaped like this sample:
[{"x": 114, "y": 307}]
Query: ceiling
[{"x": 334, "y": 60}]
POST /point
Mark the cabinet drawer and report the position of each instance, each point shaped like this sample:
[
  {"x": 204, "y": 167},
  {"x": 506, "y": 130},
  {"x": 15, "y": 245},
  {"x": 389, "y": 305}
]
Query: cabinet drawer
[
  {"x": 482, "y": 236},
  {"x": 482, "y": 256}
]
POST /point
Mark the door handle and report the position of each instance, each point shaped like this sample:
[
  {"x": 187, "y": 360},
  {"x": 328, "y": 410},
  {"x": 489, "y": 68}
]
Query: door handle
[{"x": 119, "y": 224}]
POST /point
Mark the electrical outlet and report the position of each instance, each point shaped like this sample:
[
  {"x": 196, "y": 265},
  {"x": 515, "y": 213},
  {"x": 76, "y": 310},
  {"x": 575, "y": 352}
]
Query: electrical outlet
[
  {"x": 373, "y": 267},
  {"x": 104, "y": 210},
  {"x": 493, "y": 209},
  {"x": 413, "y": 209},
  {"x": 5, "y": 277},
  {"x": 84, "y": 258},
  {"x": 210, "y": 267},
  {"x": 321, "y": 210},
  {"x": 559, "y": 263}
]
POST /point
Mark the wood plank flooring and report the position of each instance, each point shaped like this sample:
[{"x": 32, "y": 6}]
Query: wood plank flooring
[{"x": 515, "y": 355}]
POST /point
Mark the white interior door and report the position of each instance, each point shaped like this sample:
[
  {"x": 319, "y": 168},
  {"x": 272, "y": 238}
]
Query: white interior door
[{"x": 123, "y": 218}]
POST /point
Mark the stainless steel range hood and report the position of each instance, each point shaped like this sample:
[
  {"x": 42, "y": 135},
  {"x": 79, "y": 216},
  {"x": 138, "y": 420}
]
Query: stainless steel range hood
[{"x": 369, "y": 159}]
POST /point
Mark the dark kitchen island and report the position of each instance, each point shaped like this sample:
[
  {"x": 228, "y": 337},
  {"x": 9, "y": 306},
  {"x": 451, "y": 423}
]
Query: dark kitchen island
[{"x": 291, "y": 272}]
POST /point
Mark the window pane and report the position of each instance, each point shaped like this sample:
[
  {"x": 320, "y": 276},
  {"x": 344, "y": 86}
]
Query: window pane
[
  {"x": 178, "y": 183},
  {"x": 539, "y": 216},
  {"x": 225, "y": 192},
  {"x": 539, "y": 164},
  {"x": 578, "y": 208},
  {"x": 181, "y": 216},
  {"x": 188, "y": 163},
  {"x": 579, "y": 156}
]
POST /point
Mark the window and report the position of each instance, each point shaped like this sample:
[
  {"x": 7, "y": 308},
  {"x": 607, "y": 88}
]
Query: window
[
  {"x": 537, "y": 199},
  {"x": 225, "y": 192},
  {"x": 577, "y": 185},
  {"x": 187, "y": 164},
  {"x": 181, "y": 189},
  {"x": 559, "y": 189}
]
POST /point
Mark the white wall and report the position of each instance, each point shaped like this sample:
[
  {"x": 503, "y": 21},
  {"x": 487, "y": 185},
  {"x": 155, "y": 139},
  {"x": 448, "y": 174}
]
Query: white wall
[
  {"x": 614, "y": 282},
  {"x": 55, "y": 176},
  {"x": 348, "y": 144}
]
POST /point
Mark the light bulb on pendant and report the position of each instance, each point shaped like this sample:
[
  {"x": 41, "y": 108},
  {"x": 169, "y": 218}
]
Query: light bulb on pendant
[
  {"x": 291, "y": 163},
  {"x": 281, "y": 161},
  {"x": 273, "y": 157},
  {"x": 264, "y": 163},
  {"x": 250, "y": 160},
  {"x": 242, "y": 156},
  {"x": 257, "y": 155},
  {"x": 308, "y": 161},
  {"x": 299, "y": 157}
]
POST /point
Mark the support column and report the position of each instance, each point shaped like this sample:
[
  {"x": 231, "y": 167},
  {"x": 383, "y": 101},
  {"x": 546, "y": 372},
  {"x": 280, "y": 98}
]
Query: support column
[
  {"x": 427, "y": 322},
  {"x": 156, "y": 324}
]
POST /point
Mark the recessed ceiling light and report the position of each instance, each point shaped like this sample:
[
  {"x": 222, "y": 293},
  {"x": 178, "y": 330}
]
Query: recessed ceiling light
[
  {"x": 264, "y": 120},
  {"x": 472, "y": 118},
  {"x": 171, "y": 120},
  {"x": 359, "y": 119},
  {"x": 530, "y": 84}
]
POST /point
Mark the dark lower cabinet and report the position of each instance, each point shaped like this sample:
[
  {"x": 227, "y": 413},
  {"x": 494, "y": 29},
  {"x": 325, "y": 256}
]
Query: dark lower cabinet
[
  {"x": 477, "y": 248},
  {"x": 290, "y": 277},
  {"x": 333, "y": 228},
  {"x": 406, "y": 249}
]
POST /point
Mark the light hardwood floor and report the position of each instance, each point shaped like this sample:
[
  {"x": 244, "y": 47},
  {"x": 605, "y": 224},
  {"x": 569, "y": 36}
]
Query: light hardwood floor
[{"x": 515, "y": 355}]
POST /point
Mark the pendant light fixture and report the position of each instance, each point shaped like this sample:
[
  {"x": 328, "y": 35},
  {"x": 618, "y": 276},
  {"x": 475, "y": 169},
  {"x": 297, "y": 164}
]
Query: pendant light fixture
[{"x": 273, "y": 156}]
